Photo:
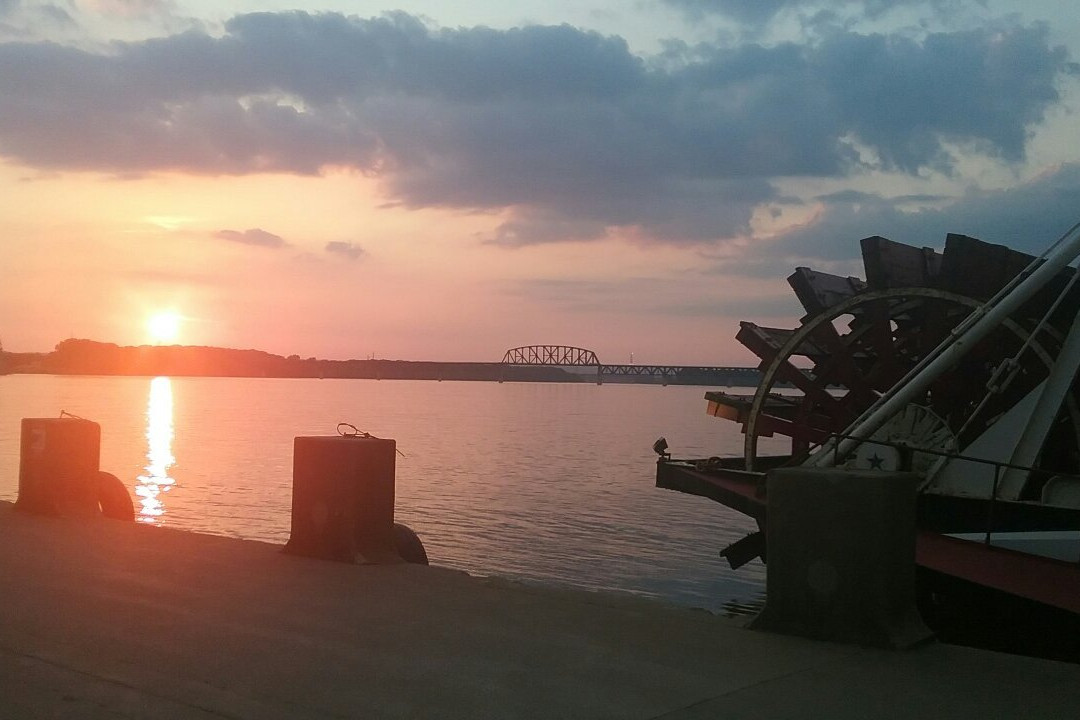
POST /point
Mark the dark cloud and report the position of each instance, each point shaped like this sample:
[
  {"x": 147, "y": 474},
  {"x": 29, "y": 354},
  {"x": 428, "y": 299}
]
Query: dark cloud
[
  {"x": 904, "y": 97},
  {"x": 758, "y": 12},
  {"x": 567, "y": 129},
  {"x": 531, "y": 227},
  {"x": 1029, "y": 217},
  {"x": 254, "y": 236},
  {"x": 855, "y": 196},
  {"x": 345, "y": 249}
]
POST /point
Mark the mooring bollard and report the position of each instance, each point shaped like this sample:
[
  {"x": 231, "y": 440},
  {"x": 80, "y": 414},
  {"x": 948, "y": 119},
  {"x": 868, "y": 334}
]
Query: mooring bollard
[
  {"x": 841, "y": 557},
  {"x": 58, "y": 466},
  {"x": 343, "y": 499}
]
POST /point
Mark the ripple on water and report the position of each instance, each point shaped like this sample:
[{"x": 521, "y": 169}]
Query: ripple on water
[{"x": 543, "y": 483}]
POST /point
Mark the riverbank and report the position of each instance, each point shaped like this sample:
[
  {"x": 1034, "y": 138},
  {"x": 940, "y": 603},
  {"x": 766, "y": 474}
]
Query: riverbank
[
  {"x": 107, "y": 619},
  {"x": 88, "y": 357}
]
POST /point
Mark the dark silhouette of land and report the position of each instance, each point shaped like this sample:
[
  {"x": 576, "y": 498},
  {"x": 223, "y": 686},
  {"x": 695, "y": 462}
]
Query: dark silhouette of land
[{"x": 89, "y": 357}]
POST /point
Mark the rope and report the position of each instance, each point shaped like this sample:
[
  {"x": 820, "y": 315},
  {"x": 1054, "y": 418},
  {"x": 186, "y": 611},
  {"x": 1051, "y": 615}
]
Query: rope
[
  {"x": 345, "y": 429},
  {"x": 351, "y": 430}
]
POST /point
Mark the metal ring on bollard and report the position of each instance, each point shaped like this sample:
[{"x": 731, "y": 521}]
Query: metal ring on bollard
[
  {"x": 408, "y": 545},
  {"x": 113, "y": 497}
]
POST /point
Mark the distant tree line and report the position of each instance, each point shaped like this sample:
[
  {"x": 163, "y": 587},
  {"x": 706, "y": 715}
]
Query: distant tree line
[{"x": 89, "y": 357}]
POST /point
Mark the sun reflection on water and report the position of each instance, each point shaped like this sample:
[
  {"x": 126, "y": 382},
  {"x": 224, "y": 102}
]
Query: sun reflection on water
[{"x": 159, "y": 437}]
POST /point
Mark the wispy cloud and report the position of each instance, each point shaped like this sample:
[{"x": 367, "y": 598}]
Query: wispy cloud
[
  {"x": 254, "y": 236},
  {"x": 652, "y": 296},
  {"x": 18, "y": 18},
  {"x": 344, "y": 249},
  {"x": 126, "y": 8},
  {"x": 178, "y": 278}
]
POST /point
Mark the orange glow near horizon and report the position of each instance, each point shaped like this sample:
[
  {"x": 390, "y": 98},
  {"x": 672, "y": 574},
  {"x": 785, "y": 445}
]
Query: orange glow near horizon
[
  {"x": 159, "y": 437},
  {"x": 143, "y": 263}
]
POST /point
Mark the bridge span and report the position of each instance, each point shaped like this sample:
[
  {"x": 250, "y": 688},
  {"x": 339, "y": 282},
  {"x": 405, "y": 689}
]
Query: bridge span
[
  {"x": 558, "y": 355},
  {"x": 570, "y": 356}
]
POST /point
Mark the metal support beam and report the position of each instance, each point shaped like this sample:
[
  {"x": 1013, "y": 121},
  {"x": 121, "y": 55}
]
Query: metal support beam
[
  {"x": 977, "y": 326},
  {"x": 1046, "y": 408}
]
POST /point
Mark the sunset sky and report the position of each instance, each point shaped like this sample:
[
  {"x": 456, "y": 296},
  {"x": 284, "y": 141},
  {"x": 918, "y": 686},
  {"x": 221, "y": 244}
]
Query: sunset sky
[{"x": 439, "y": 180}]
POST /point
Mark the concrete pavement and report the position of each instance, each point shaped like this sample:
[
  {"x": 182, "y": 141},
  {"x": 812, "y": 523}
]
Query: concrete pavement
[{"x": 102, "y": 619}]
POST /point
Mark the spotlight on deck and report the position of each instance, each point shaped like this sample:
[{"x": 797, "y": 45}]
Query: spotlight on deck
[{"x": 660, "y": 448}]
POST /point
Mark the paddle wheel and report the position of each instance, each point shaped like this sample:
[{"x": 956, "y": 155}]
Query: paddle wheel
[
  {"x": 861, "y": 338},
  {"x": 959, "y": 366}
]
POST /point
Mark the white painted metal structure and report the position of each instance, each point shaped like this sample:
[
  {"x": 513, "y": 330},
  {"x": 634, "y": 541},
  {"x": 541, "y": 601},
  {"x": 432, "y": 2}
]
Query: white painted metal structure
[{"x": 1018, "y": 436}]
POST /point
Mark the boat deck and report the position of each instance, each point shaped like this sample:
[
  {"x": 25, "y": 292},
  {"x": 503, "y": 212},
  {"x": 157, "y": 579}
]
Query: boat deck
[{"x": 1054, "y": 583}]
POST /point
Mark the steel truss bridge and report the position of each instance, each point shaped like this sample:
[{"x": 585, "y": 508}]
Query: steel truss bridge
[{"x": 569, "y": 356}]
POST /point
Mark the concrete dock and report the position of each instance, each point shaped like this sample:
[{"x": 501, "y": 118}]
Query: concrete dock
[{"x": 104, "y": 619}]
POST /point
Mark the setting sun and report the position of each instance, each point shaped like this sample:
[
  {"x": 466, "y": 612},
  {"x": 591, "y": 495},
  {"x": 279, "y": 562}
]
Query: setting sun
[{"x": 164, "y": 327}]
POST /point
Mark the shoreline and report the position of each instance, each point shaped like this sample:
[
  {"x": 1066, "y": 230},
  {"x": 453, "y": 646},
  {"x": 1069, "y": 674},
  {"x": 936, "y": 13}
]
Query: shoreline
[{"x": 88, "y": 357}]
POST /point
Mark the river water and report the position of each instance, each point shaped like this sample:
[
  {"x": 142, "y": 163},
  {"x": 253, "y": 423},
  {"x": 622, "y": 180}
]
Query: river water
[{"x": 540, "y": 482}]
